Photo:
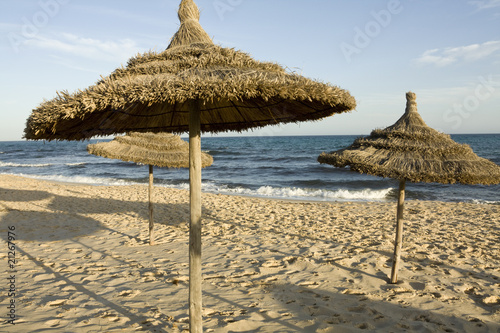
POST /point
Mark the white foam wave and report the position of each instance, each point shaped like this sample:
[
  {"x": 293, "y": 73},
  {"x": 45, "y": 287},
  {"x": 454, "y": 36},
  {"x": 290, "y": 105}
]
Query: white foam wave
[
  {"x": 20, "y": 165},
  {"x": 296, "y": 193},
  {"x": 80, "y": 179},
  {"x": 316, "y": 194},
  {"x": 366, "y": 194},
  {"x": 485, "y": 202},
  {"x": 39, "y": 165}
]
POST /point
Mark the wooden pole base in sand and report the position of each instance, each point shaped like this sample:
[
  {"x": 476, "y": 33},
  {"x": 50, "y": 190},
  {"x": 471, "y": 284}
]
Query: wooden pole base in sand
[
  {"x": 398, "y": 244},
  {"x": 195, "y": 278},
  {"x": 151, "y": 222}
]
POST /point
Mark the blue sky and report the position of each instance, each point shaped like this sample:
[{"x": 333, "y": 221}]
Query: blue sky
[{"x": 446, "y": 51}]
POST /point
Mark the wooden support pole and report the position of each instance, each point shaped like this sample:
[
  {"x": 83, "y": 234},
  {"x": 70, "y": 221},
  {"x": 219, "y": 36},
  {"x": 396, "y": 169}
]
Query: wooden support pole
[
  {"x": 195, "y": 278},
  {"x": 151, "y": 222},
  {"x": 398, "y": 244}
]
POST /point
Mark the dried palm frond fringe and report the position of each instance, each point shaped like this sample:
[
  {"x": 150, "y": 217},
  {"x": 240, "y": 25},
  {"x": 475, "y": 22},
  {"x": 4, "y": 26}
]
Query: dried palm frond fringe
[{"x": 161, "y": 150}]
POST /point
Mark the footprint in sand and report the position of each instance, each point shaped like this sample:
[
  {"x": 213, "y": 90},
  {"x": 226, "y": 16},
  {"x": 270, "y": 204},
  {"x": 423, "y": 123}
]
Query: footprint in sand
[
  {"x": 308, "y": 283},
  {"x": 43, "y": 277},
  {"x": 129, "y": 293},
  {"x": 365, "y": 326},
  {"x": 272, "y": 264},
  {"x": 112, "y": 317},
  {"x": 57, "y": 302},
  {"x": 53, "y": 322}
]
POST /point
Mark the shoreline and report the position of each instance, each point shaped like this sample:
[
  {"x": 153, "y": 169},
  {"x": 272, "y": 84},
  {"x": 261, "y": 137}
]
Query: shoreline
[
  {"x": 84, "y": 263},
  {"x": 392, "y": 200}
]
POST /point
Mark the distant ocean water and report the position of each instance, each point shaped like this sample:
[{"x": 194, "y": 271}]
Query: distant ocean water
[{"x": 271, "y": 167}]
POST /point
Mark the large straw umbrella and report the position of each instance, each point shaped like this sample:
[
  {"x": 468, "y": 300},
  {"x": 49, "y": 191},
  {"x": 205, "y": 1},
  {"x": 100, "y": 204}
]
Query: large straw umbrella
[
  {"x": 153, "y": 149},
  {"x": 192, "y": 86},
  {"x": 409, "y": 150}
]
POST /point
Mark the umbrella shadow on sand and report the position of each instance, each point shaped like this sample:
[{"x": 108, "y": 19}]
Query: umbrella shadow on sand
[
  {"x": 166, "y": 213},
  {"x": 342, "y": 311},
  {"x": 66, "y": 215},
  {"x": 35, "y": 225},
  {"x": 48, "y": 226},
  {"x": 307, "y": 309},
  {"x": 22, "y": 195}
]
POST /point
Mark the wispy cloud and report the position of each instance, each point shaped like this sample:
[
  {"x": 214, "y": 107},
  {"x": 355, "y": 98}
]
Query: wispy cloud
[
  {"x": 448, "y": 56},
  {"x": 447, "y": 96},
  {"x": 485, "y": 4},
  {"x": 90, "y": 48}
]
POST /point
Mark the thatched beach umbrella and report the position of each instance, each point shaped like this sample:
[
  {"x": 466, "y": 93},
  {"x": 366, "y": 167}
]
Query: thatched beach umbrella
[
  {"x": 193, "y": 86},
  {"x": 153, "y": 149},
  {"x": 409, "y": 150}
]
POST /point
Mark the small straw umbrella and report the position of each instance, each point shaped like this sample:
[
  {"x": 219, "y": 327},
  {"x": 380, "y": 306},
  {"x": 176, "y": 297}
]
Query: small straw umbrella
[
  {"x": 409, "y": 150},
  {"x": 154, "y": 149},
  {"x": 193, "y": 86}
]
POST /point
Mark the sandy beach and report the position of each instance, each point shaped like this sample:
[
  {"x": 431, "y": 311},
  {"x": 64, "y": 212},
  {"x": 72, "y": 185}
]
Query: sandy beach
[{"x": 83, "y": 263}]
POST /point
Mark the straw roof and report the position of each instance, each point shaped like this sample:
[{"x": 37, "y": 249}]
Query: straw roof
[
  {"x": 161, "y": 149},
  {"x": 152, "y": 93},
  {"x": 410, "y": 150}
]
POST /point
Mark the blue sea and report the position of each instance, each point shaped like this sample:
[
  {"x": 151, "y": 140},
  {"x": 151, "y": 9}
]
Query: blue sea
[{"x": 283, "y": 167}]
